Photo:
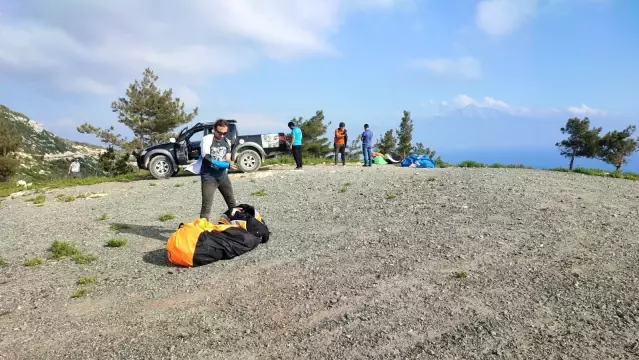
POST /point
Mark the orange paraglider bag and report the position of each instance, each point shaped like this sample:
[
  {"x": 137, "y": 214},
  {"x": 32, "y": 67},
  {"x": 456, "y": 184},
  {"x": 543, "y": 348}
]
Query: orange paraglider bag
[{"x": 201, "y": 242}]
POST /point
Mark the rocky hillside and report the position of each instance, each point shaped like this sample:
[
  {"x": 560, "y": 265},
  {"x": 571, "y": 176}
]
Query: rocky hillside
[{"x": 45, "y": 155}]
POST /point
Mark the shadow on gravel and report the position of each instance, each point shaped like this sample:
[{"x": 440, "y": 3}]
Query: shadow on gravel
[
  {"x": 157, "y": 257},
  {"x": 152, "y": 232}
]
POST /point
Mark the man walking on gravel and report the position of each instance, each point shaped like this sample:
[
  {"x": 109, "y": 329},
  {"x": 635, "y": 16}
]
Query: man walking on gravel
[
  {"x": 296, "y": 144},
  {"x": 340, "y": 142},
  {"x": 74, "y": 168},
  {"x": 367, "y": 146},
  {"x": 216, "y": 160}
]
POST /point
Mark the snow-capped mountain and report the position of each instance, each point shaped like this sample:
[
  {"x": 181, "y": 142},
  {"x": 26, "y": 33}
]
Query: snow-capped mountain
[
  {"x": 472, "y": 111},
  {"x": 477, "y": 127}
]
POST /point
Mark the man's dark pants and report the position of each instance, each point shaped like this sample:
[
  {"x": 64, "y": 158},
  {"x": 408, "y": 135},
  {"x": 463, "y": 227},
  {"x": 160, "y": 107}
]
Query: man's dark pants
[
  {"x": 209, "y": 185},
  {"x": 297, "y": 155},
  {"x": 341, "y": 149}
]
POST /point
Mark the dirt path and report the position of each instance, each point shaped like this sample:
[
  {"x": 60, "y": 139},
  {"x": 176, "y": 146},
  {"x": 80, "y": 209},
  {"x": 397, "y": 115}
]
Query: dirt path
[{"x": 402, "y": 264}]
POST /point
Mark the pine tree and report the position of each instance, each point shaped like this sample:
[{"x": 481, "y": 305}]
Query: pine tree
[
  {"x": 10, "y": 142},
  {"x": 355, "y": 150},
  {"x": 405, "y": 135},
  {"x": 386, "y": 143},
  {"x": 582, "y": 141},
  {"x": 419, "y": 149},
  {"x": 616, "y": 146},
  {"x": 314, "y": 141},
  {"x": 114, "y": 165},
  {"x": 151, "y": 115}
]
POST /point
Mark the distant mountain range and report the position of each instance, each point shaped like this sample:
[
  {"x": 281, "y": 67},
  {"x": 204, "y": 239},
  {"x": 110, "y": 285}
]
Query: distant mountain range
[
  {"x": 475, "y": 127},
  {"x": 491, "y": 135},
  {"x": 45, "y": 155}
]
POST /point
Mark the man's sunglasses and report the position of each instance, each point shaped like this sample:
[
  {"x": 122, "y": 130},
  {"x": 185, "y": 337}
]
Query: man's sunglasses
[{"x": 221, "y": 133}]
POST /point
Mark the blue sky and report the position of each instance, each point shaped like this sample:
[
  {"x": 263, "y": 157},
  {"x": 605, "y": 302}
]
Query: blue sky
[{"x": 264, "y": 62}]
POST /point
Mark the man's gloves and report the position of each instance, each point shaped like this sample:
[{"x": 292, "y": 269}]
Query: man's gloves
[
  {"x": 223, "y": 165},
  {"x": 220, "y": 164}
]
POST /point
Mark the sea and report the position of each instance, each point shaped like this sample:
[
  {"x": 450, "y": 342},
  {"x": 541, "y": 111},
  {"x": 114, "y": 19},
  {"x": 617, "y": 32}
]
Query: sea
[{"x": 542, "y": 158}]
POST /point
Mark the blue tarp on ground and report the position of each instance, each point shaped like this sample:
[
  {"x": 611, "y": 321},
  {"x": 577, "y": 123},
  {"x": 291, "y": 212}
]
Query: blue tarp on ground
[{"x": 418, "y": 161}]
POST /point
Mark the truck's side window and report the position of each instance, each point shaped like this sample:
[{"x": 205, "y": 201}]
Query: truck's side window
[
  {"x": 232, "y": 132},
  {"x": 197, "y": 136},
  {"x": 195, "y": 141}
]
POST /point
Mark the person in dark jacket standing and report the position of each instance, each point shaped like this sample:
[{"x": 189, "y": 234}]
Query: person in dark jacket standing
[
  {"x": 296, "y": 144},
  {"x": 216, "y": 160}
]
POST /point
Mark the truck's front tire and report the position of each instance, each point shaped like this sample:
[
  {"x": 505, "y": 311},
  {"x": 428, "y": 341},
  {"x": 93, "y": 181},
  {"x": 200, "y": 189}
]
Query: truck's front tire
[
  {"x": 249, "y": 161},
  {"x": 161, "y": 167}
]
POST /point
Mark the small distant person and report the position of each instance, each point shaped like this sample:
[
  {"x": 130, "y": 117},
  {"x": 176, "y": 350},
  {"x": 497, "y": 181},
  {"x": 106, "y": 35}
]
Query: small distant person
[
  {"x": 74, "y": 168},
  {"x": 216, "y": 160},
  {"x": 367, "y": 146},
  {"x": 296, "y": 144},
  {"x": 340, "y": 142}
]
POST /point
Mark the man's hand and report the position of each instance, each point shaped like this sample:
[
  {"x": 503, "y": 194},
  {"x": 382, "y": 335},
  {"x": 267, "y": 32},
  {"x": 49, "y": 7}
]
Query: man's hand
[{"x": 233, "y": 166}]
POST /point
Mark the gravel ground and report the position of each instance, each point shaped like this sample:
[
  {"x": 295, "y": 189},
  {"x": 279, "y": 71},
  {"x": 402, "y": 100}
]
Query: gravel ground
[{"x": 460, "y": 263}]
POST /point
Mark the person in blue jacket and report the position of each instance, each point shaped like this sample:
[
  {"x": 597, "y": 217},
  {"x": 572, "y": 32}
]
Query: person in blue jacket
[
  {"x": 296, "y": 144},
  {"x": 367, "y": 146},
  {"x": 216, "y": 160}
]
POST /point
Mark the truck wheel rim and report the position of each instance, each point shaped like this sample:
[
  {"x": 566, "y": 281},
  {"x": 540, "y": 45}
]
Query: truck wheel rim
[
  {"x": 249, "y": 161},
  {"x": 161, "y": 167}
]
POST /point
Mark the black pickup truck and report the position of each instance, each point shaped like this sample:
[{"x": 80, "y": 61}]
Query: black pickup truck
[{"x": 247, "y": 151}]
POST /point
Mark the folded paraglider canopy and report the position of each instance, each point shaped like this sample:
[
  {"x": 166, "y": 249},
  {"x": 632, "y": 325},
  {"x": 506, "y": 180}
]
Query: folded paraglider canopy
[
  {"x": 381, "y": 158},
  {"x": 418, "y": 161},
  {"x": 201, "y": 242}
]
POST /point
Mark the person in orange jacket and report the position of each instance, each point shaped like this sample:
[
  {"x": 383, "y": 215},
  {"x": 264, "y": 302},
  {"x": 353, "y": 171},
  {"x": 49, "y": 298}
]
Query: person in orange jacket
[{"x": 340, "y": 142}]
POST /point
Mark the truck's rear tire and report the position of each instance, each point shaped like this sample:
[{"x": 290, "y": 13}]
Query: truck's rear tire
[
  {"x": 249, "y": 161},
  {"x": 161, "y": 167}
]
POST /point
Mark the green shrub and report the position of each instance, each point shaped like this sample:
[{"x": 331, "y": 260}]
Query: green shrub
[
  {"x": 62, "y": 249},
  {"x": 261, "y": 192},
  {"x": 441, "y": 163},
  {"x": 8, "y": 167},
  {"x": 87, "y": 280},
  {"x": 118, "y": 227},
  {"x": 34, "y": 261},
  {"x": 116, "y": 242},
  {"x": 471, "y": 164},
  {"x": 84, "y": 258},
  {"x": 166, "y": 217},
  {"x": 80, "y": 293}
]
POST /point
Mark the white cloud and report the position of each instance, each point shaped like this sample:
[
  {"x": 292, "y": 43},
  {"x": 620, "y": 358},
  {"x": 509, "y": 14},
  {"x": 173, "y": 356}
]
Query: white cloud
[
  {"x": 488, "y": 101},
  {"x": 463, "y": 100},
  {"x": 501, "y": 17},
  {"x": 188, "y": 96},
  {"x": 466, "y": 67},
  {"x": 585, "y": 110},
  {"x": 97, "y": 46},
  {"x": 251, "y": 123}
]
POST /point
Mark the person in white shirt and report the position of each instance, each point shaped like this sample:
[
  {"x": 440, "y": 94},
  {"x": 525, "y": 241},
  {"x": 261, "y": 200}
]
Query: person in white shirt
[
  {"x": 74, "y": 169},
  {"x": 216, "y": 160}
]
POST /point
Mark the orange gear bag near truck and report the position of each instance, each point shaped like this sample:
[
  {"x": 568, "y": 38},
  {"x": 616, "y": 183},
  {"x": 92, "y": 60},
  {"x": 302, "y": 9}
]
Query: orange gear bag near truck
[{"x": 201, "y": 242}]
